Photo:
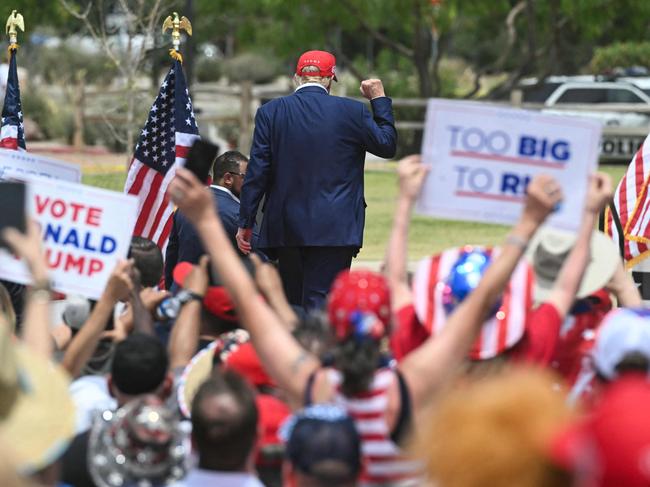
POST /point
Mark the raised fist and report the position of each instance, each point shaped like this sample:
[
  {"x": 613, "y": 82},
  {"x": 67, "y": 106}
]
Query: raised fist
[{"x": 372, "y": 88}]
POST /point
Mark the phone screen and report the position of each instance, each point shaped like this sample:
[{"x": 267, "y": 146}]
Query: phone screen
[
  {"x": 12, "y": 202},
  {"x": 200, "y": 159}
]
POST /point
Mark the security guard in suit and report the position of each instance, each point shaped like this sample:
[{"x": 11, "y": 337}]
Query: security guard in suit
[{"x": 184, "y": 245}]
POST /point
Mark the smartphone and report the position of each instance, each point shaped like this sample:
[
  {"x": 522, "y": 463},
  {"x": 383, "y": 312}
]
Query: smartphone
[
  {"x": 200, "y": 159},
  {"x": 12, "y": 202}
]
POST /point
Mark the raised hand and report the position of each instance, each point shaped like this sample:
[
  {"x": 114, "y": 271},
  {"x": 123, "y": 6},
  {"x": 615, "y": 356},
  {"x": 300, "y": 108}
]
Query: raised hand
[
  {"x": 28, "y": 247},
  {"x": 600, "y": 192},
  {"x": 120, "y": 283},
  {"x": 197, "y": 280},
  {"x": 191, "y": 197},
  {"x": 544, "y": 194},
  {"x": 411, "y": 173},
  {"x": 372, "y": 88}
]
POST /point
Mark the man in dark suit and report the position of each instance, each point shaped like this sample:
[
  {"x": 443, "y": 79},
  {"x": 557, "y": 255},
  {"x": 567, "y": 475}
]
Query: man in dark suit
[
  {"x": 307, "y": 158},
  {"x": 184, "y": 244}
]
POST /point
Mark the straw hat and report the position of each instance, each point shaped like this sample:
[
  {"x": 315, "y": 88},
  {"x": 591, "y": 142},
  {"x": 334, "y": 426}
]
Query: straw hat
[
  {"x": 550, "y": 247},
  {"x": 37, "y": 417},
  {"x": 200, "y": 367}
]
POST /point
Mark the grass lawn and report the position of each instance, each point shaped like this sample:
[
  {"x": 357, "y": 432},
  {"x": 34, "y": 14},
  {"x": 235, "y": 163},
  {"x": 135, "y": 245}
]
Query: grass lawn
[{"x": 427, "y": 235}]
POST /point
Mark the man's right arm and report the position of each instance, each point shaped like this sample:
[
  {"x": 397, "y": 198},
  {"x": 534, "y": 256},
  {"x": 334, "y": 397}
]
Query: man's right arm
[
  {"x": 380, "y": 135},
  {"x": 257, "y": 173}
]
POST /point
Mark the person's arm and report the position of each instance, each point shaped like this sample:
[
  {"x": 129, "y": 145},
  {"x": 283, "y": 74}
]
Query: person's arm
[
  {"x": 184, "y": 339},
  {"x": 255, "y": 182},
  {"x": 124, "y": 324},
  {"x": 171, "y": 254},
  {"x": 427, "y": 369},
  {"x": 142, "y": 319},
  {"x": 36, "y": 315},
  {"x": 269, "y": 283},
  {"x": 568, "y": 281},
  {"x": 623, "y": 287},
  {"x": 283, "y": 357},
  {"x": 84, "y": 343},
  {"x": 411, "y": 175},
  {"x": 380, "y": 135}
]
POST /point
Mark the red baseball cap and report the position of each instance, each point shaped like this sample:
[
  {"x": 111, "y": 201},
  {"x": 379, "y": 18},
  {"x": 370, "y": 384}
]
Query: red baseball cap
[
  {"x": 216, "y": 300},
  {"x": 245, "y": 361},
  {"x": 612, "y": 447},
  {"x": 359, "y": 305},
  {"x": 323, "y": 60}
]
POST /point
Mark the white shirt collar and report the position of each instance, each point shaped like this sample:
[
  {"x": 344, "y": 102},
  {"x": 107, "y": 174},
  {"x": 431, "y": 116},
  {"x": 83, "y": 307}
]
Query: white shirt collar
[
  {"x": 201, "y": 478},
  {"x": 311, "y": 84},
  {"x": 225, "y": 190}
]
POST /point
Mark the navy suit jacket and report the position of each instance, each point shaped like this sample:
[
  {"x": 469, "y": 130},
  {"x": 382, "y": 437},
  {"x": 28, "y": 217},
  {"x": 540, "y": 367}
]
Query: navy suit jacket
[
  {"x": 307, "y": 157},
  {"x": 184, "y": 243}
]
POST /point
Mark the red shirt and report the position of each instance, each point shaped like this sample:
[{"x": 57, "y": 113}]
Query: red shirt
[
  {"x": 578, "y": 336},
  {"x": 537, "y": 346}
]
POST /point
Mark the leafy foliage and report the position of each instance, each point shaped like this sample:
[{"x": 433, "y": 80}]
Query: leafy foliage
[{"x": 621, "y": 54}]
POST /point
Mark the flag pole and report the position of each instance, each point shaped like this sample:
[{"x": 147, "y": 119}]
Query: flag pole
[
  {"x": 176, "y": 24},
  {"x": 14, "y": 22}
]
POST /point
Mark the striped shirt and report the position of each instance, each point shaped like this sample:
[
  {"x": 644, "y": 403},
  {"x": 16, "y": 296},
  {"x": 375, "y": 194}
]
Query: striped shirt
[{"x": 384, "y": 463}]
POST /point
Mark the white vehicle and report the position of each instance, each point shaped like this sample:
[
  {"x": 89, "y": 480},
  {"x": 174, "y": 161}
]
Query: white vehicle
[{"x": 623, "y": 132}]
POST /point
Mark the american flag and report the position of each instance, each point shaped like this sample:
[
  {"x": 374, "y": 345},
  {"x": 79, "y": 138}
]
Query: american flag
[
  {"x": 632, "y": 209},
  {"x": 12, "y": 133},
  {"x": 164, "y": 143}
]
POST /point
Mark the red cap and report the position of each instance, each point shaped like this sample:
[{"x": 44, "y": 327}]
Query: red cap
[
  {"x": 216, "y": 300},
  {"x": 612, "y": 447},
  {"x": 245, "y": 361},
  {"x": 359, "y": 304},
  {"x": 323, "y": 60},
  {"x": 272, "y": 414}
]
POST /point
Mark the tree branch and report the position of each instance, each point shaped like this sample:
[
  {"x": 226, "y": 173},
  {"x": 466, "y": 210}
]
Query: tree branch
[
  {"x": 348, "y": 62},
  {"x": 500, "y": 62},
  {"x": 387, "y": 41}
]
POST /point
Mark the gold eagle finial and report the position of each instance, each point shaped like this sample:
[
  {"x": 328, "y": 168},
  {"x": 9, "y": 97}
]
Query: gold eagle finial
[
  {"x": 177, "y": 24},
  {"x": 14, "y": 20}
]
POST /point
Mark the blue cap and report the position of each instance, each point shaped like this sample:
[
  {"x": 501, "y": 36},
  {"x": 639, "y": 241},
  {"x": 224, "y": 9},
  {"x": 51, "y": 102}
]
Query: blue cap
[{"x": 322, "y": 441}]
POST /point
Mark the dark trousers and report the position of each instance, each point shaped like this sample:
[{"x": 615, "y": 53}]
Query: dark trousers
[{"x": 308, "y": 272}]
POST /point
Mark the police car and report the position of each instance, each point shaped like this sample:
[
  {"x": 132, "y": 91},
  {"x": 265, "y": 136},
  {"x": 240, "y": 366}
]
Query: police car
[{"x": 623, "y": 132}]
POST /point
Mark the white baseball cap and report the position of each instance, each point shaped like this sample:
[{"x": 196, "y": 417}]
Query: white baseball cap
[{"x": 623, "y": 331}]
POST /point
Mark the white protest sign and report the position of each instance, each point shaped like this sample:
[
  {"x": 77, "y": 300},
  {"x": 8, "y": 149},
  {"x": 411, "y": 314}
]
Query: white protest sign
[
  {"x": 85, "y": 231},
  {"x": 16, "y": 164},
  {"x": 482, "y": 157}
]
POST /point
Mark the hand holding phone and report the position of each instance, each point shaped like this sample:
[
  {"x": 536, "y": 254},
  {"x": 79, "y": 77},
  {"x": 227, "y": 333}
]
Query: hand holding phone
[
  {"x": 200, "y": 159},
  {"x": 12, "y": 207}
]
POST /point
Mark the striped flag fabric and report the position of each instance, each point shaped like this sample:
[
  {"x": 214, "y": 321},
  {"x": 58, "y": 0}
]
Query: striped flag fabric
[
  {"x": 500, "y": 332},
  {"x": 12, "y": 128},
  {"x": 164, "y": 143},
  {"x": 627, "y": 221}
]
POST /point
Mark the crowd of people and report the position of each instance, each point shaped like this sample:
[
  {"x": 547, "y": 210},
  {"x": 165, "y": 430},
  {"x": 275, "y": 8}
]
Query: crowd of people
[{"x": 524, "y": 364}]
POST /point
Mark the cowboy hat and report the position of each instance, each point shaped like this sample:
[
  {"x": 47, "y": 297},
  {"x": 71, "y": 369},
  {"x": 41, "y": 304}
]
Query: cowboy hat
[{"x": 550, "y": 247}]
